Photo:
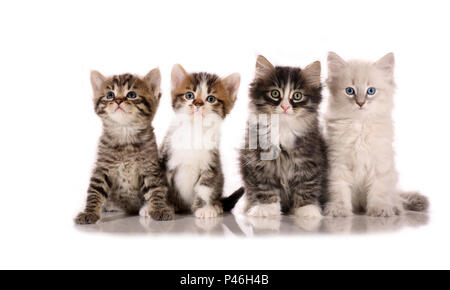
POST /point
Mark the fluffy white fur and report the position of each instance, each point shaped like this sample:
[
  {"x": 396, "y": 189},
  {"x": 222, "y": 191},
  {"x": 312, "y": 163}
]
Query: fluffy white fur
[
  {"x": 260, "y": 210},
  {"x": 362, "y": 169},
  {"x": 265, "y": 210},
  {"x": 190, "y": 155},
  {"x": 144, "y": 211},
  {"x": 207, "y": 211},
  {"x": 309, "y": 212}
]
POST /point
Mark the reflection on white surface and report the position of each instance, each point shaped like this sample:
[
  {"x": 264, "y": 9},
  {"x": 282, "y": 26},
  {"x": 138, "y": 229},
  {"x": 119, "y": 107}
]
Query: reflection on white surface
[{"x": 230, "y": 225}]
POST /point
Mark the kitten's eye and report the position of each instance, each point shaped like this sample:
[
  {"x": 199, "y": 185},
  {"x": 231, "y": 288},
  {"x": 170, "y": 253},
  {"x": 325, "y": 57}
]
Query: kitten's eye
[
  {"x": 131, "y": 95},
  {"x": 211, "y": 99},
  {"x": 297, "y": 96},
  {"x": 110, "y": 95},
  {"x": 371, "y": 91},
  {"x": 189, "y": 96},
  {"x": 275, "y": 94},
  {"x": 350, "y": 91}
]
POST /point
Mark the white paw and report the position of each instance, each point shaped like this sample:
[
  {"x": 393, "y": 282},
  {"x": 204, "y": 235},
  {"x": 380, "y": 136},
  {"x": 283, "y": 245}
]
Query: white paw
[
  {"x": 206, "y": 212},
  {"x": 265, "y": 210},
  {"x": 383, "y": 210},
  {"x": 335, "y": 209},
  {"x": 308, "y": 211},
  {"x": 144, "y": 211}
]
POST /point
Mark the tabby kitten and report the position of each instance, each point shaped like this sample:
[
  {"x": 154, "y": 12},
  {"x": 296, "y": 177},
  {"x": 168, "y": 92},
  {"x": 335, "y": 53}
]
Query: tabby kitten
[
  {"x": 363, "y": 177},
  {"x": 127, "y": 173},
  {"x": 190, "y": 150},
  {"x": 288, "y": 174}
]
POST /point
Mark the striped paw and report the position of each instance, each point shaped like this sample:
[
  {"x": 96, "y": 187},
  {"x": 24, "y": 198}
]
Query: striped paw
[
  {"x": 85, "y": 218},
  {"x": 159, "y": 214}
]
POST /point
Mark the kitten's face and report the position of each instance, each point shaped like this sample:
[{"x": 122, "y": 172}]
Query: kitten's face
[
  {"x": 203, "y": 93},
  {"x": 287, "y": 91},
  {"x": 126, "y": 99},
  {"x": 360, "y": 87}
]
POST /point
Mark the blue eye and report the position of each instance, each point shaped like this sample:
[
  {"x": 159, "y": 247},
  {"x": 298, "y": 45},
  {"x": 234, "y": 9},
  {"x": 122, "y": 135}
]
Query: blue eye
[
  {"x": 131, "y": 95},
  {"x": 110, "y": 95},
  {"x": 189, "y": 96},
  {"x": 371, "y": 91},
  {"x": 211, "y": 99},
  {"x": 350, "y": 91}
]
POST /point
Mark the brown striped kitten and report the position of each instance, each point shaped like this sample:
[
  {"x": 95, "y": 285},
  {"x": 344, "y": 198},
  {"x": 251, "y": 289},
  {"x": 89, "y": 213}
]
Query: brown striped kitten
[
  {"x": 190, "y": 150},
  {"x": 127, "y": 174}
]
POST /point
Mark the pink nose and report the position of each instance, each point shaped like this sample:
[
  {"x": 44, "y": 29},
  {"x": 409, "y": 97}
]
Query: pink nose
[{"x": 285, "y": 108}]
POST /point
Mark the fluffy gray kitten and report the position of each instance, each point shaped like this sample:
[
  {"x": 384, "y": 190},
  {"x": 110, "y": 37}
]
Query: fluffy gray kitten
[
  {"x": 127, "y": 174},
  {"x": 285, "y": 174}
]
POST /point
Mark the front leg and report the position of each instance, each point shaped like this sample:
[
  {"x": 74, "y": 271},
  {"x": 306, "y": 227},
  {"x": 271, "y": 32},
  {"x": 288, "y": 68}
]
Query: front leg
[
  {"x": 382, "y": 200},
  {"x": 99, "y": 187},
  {"x": 208, "y": 191},
  {"x": 339, "y": 195},
  {"x": 261, "y": 186},
  {"x": 263, "y": 201},
  {"x": 155, "y": 192},
  {"x": 306, "y": 189}
]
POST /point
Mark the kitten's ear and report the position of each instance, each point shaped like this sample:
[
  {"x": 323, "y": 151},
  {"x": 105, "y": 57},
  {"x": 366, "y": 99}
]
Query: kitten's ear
[
  {"x": 97, "y": 80},
  {"x": 231, "y": 84},
  {"x": 153, "y": 81},
  {"x": 263, "y": 67},
  {"x": 335, "y": 62},
  {"x": 312, "y": 74},
  {"x": 178, "y": 76},
  {"x": 387, "y": 63}
]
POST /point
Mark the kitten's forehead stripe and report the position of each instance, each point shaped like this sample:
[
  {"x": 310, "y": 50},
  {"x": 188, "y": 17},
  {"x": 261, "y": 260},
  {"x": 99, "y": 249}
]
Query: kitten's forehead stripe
[
  {"x": 124, "y": 81},
  {"x": 199, "y": 78},
  {"x": 288, "y": 77}
]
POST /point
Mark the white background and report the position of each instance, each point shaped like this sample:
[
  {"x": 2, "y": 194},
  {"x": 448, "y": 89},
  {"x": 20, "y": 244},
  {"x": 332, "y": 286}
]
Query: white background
[{"x": 49, "y": 130}]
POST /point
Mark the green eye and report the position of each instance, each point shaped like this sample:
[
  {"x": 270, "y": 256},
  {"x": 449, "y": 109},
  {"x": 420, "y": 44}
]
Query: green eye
[
  {"x": 275, "y": 94},
  {"x": 297, "y": 96},
  {"x": 211, "y": 99}
]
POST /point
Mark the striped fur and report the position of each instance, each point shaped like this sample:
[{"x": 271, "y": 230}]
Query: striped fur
[
  {"x": 294, "y": 180},
  {"x": 127, "y": 173}
]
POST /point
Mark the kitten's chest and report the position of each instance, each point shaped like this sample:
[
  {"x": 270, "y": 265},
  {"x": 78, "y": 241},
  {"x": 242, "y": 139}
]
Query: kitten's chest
[
  {"x": 283, "y": 168},
  {"x": 191, "y": 148},
  {"x": 289, "y": 131},
  {"x": 126, "y": 172},
  {"x": 364, "y": 146},
  {"x": 365, "y": 138},
  {"x": 185, "y": 168},
  {"x": 191, "y": 152}
]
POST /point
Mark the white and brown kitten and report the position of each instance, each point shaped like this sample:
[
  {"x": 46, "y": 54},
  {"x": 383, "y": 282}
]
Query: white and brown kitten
[
  {"x": 360, "y": 133},
  {"x": 190, "y": 150},
  {"x": 127, "y": 174}
]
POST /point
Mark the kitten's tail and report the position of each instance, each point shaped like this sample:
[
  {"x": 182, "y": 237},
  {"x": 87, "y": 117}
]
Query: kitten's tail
[
  {"x": 228, "y": 203},
  {"x": 414, "y": 201}
]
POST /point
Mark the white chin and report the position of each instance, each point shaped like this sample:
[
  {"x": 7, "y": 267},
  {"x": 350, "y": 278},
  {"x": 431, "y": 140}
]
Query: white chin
[{"x": 119, "y": 117}]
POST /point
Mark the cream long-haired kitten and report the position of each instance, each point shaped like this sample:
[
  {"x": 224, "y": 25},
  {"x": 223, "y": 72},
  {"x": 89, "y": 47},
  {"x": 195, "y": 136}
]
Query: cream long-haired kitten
[{"x": 360, "y": 132}]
